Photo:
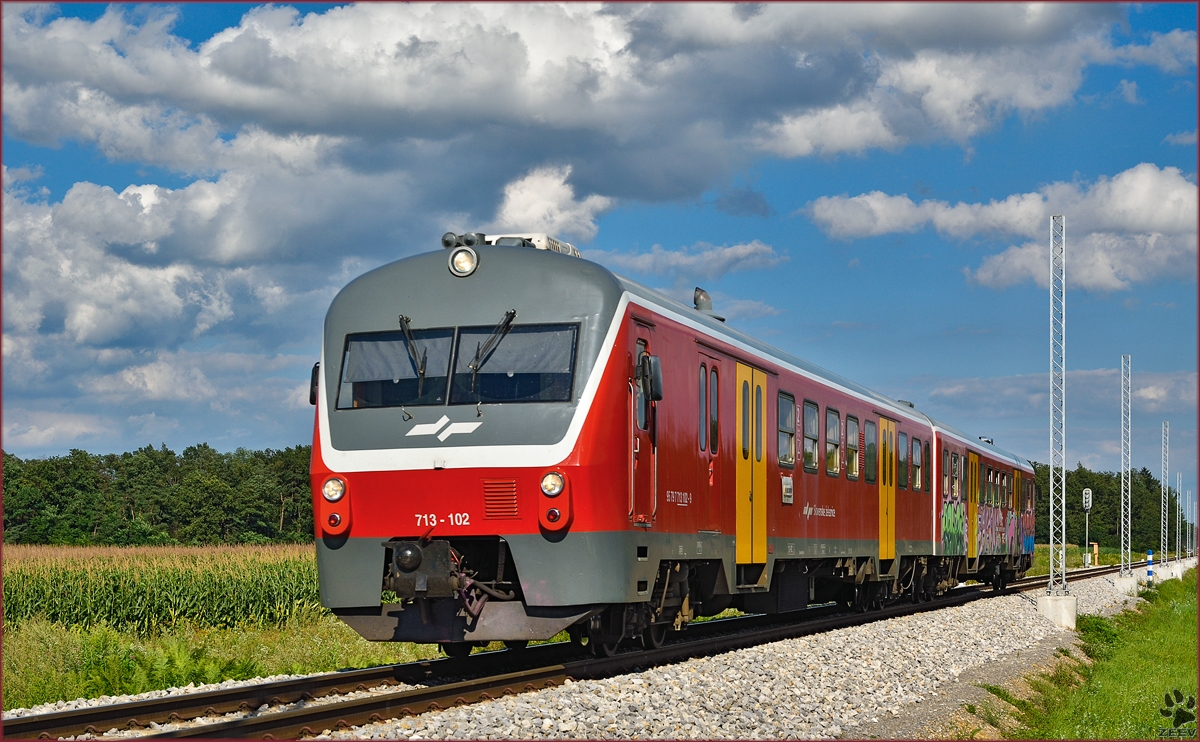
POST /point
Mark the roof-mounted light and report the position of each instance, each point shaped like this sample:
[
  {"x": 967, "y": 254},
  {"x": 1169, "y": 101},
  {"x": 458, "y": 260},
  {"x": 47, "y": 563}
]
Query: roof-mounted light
[
  {"x": 463, "y": 261},
  {"x": 536, "y": 240}
]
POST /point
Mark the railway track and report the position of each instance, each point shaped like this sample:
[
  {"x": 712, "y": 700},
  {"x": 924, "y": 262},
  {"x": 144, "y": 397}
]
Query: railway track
[{"x": 447, "y": 682}]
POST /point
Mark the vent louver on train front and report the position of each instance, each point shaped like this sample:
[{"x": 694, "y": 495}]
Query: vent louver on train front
[{"x": 500, "y": 498}]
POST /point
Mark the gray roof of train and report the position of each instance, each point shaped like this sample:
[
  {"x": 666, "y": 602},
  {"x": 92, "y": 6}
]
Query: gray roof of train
[{"x": 720, "y": 328}]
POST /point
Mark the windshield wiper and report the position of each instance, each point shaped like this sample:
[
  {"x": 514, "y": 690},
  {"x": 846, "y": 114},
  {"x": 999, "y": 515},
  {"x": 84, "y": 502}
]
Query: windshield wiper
[
  {"x": 411, "y": 345},
  {"x": 484, "y": 351}
]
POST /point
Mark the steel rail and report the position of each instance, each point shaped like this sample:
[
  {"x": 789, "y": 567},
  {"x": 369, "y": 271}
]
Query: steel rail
[{"x": 540, "y": 666}]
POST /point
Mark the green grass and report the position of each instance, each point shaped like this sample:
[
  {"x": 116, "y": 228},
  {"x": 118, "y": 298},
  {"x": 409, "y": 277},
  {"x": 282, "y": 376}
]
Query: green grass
[
  {"x": 1133, "y": 659},
  {"x": 45, "y": 662},
  {"x": 1074, "y": 554}
]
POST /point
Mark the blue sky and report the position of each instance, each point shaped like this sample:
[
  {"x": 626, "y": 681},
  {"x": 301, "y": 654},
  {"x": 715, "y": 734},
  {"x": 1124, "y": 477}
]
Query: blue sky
[{"x": 869, "y": 187}]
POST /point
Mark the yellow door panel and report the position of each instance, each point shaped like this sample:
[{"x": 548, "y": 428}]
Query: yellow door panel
[
  {"x": 887, "y": 489},
  {"x": 743, "y": 540},
  {"x": 751, "y": 454},
  {"x": 758, "y": 489}
]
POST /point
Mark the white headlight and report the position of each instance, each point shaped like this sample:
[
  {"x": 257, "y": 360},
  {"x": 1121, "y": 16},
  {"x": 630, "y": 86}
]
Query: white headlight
[
  {"x": 333, "y": 489},
  {"x": 552, "y": 484},
  {"x": 463, "y": 262}
]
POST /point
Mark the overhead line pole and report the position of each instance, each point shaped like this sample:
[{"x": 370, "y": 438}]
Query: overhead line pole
[
  {"x": 1162, "y": 486},
  {"x": 1126, "y": 462},
  {"x": 1058, "y": 408},
  {"x": 1178, "y": 513}
]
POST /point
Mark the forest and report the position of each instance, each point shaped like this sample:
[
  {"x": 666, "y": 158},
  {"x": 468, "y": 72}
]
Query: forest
[
  {"x": 202, "y": 496},
  {"x": 158, "y": 497}
]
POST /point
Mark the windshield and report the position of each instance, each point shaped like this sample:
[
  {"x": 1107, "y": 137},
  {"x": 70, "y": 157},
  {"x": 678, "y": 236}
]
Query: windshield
[
  {"x": 380, "y": 371},
  {"x": 530, "y": 363}
]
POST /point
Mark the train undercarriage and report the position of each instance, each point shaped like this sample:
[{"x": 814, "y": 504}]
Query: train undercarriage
[{"x": 466, "y": 592}]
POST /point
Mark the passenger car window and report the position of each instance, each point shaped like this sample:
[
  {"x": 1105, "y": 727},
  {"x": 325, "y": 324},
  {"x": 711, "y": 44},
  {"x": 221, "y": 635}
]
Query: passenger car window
[
  {"x": 703, "y": 414},
  {"x": 902, "y": 468},
  {"x": 929, "y": 475},
  {"x": 917, "y": 469},
  {"x": 833, "y": 442},
  {"x": 787, "y": 430},
  {"x": 852, "y": 464},
  {"x": 812, "y": 427},
  {"x": 872, "y": 456},
  {"x": 745, "y": 419}
]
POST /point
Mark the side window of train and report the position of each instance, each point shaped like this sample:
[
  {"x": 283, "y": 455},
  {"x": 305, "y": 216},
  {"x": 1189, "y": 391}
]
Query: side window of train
[
  {"x": 641, "y": 404},
  {"x": 812, "y": 428},
  {"x": 745, "y": 419},
  {"x": 929, "y": 478},
  {"x": 872, "y": 456},
  {"x": 833, "y": 442},
  {"x": 787, "y": 430},
  {"x": 954, "y": 476},
  {"x": 713, "y": 410},
  {"x": 851, "y": 447},
  {"x": 758, "y": 422},
  {"x": 703, "y": 414},
  {"x": 917, "y": 468},
  {"x": 902, "y": 467},
  {"x": 945, "y": 472},
  {"x": 988, "y": 498}
]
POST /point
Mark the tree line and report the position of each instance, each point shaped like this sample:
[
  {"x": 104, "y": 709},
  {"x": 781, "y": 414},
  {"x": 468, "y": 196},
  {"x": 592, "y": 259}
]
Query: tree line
[
  {"x": 157, "y": 497},
  {"x": 1145, "y": 506},
  {"x": 202, "y": 496}
]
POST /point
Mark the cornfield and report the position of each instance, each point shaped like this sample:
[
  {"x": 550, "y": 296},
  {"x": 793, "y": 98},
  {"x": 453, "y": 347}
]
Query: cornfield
[{"x": 146, "y": 590}]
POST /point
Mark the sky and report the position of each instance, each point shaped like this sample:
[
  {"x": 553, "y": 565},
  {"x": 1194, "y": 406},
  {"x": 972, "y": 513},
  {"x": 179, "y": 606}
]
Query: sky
[{"x": 869, "y": 187}]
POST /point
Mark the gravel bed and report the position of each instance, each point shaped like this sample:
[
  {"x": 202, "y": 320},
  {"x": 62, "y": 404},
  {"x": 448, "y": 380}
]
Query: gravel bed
[
  {"x": 812, "y": 687},
  {"x": 80, "y": 703}
]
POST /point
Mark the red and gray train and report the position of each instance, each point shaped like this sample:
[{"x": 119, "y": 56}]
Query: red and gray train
[{"x": 512, "y": 441}]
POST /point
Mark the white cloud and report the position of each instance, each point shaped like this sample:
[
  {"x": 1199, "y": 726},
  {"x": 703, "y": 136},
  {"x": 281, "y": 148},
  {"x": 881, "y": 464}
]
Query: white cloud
[
  {"x": 1092, "y": 394},
  {"x": 701, "y": 260},
  {"x": 1135, "y": 226},
  {"x": 38, "y": 429},
  {"x": 543, "y": 201},
  {"x": 1101, "y": 261},
  {"x": 829, "y": 131},
  {"x": 1182, "y": 138},
  {"x": 1129, "y": 91}
]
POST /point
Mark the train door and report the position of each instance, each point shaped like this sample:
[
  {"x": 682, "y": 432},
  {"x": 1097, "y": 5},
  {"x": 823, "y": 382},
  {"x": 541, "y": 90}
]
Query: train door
[
  {"x": 972, "y": 505},
  {"x": 710, "y": 441},
  {"x": 887, "y": 488},
  {"x": 751, "y": 455},
  {"x": 1014, "y": 497},
  {"x": 643, "y": 464}
]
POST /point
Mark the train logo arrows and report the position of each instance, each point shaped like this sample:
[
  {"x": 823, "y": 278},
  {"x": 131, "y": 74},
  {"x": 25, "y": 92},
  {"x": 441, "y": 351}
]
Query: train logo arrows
[{"x": 432, "y": 428}]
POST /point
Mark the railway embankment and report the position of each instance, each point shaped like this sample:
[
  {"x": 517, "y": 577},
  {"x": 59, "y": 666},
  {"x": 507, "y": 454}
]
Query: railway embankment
[{"x": 840, "y": 683}]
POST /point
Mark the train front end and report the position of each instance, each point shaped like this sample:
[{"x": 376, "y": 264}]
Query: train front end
[{"x": 447, "y": 474}]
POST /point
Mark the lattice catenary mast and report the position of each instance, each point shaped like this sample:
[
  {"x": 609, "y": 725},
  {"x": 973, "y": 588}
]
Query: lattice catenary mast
[
  {"x": 1058, "y": 407},
  {"x": 1178, "y": 515},
  {"x": 1163, "y": 486},
  {"x": 1126, "y": 462}
]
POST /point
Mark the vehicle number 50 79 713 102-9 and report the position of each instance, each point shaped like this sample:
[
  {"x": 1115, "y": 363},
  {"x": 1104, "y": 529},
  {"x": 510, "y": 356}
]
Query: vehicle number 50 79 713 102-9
[{"x": 454, "y": 519}]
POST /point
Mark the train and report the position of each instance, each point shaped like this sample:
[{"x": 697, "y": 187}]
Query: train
[{"x": 511, "y": 441}]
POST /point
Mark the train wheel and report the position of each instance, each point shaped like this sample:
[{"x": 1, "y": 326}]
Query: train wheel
[
  {"x": 517, "y": 644},
  {"x": 458, "y": 650},
  {"x": 654, "y": 635},
  {"x": 602, "y": 649}
]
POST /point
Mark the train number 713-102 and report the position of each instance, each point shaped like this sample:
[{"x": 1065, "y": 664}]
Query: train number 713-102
[{"x": 454, "y": 519}]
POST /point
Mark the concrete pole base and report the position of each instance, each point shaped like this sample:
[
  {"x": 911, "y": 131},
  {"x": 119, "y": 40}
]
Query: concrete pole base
[
  {"x": 1061, "y": 609},
  {"x": 1126, "y": 585}
]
